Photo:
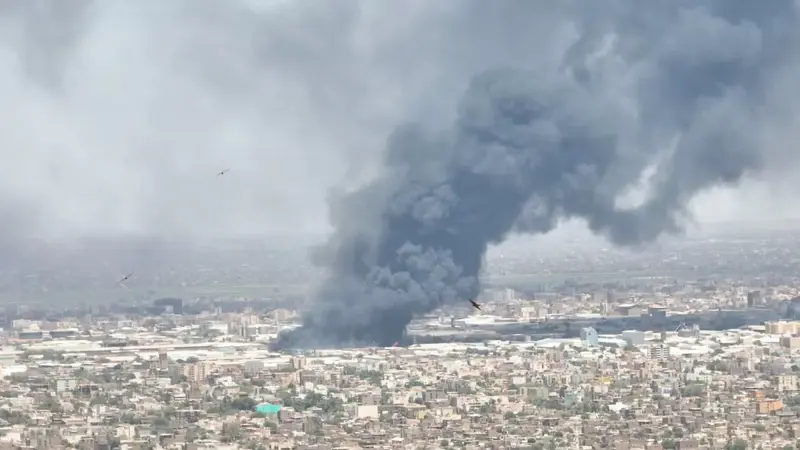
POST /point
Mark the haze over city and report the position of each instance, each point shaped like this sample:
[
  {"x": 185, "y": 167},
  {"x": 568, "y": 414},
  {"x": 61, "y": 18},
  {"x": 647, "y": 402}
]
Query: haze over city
[
  {"x": 116, "y": 115},
  {"x": 399, "y": 224}
]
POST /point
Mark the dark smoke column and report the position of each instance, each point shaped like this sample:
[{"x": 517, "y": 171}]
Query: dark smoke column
[
  {"x": 529, "y": 149},
  {"x": 416, "y": 238}
]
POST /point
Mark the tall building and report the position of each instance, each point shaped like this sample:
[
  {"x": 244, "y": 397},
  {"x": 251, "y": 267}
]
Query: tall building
[
  {"x": 196, "y": 372},
  {"x": 589, "y": 337},
  {"x": 169, "y": 305},
  {"x": 753, "y": 298},
  {"x": 10, "y": 313},
  {"x": 658, "y": 352},
  {"x": 163, "y": 360},
  {"x": 253, "y": 368},
  {"x": 782, "y": 327},
  {"x": 787, "y": 383},
  {"x": 242, "y": 326},
  {"x": 297, "y": 362},
  {"x": 791, "y": 342}
]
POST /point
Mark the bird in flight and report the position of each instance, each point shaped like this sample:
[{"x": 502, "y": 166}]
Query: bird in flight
[
  {"x": 124, "y": 278},
  {"x": 223, "y": 172},
  {"x": 476, "y": 305}
]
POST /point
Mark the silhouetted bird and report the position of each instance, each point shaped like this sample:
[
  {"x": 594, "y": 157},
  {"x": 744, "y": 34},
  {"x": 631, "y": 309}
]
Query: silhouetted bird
[
  {"x": 125, "y": 278},
  {"x": 477, "y": 306}
]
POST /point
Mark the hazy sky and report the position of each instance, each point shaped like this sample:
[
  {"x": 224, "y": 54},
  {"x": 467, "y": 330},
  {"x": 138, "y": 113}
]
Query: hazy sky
[{"x": 117, "y": 114}]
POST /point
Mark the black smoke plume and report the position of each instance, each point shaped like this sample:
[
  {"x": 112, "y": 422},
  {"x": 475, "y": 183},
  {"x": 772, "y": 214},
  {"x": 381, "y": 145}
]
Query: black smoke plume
[{"x": 529, "y": 148}]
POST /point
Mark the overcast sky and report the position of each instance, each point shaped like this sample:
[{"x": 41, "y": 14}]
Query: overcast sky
[{"x": 116, "y": 114}]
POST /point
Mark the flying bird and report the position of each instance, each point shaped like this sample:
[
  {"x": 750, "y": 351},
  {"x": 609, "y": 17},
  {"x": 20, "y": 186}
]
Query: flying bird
[
  {"x": 476, "y": 305},
  {"x": 124, "y": 278},
  {"x": 223, "y": 172}
]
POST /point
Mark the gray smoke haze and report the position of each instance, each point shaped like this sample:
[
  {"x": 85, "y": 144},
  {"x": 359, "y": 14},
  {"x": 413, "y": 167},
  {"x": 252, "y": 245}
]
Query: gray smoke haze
[
  {"x": 116, "y": 115},
  {"x": 666, "y": 100}
]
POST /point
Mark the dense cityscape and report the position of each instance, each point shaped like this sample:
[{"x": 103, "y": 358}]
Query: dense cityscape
[
  {"x": 399, "y": 225},
  {"x": 534, "y": 370}
]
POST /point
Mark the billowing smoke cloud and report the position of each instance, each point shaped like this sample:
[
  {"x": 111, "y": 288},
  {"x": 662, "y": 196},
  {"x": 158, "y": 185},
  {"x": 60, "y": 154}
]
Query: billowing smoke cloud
[{"x": 665, "y": 98}]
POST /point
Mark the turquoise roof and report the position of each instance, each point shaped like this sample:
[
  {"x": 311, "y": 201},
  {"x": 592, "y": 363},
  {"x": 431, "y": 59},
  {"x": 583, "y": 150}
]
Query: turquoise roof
[{"x": 268, "y": 408}]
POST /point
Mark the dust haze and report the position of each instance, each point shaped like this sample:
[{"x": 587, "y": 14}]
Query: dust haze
[{"x": 117, "y": 115}]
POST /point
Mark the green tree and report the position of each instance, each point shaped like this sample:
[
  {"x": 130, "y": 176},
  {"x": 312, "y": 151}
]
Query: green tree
[
  {"x": 130, "y": 419},
  {"x": 161, "y": 423},
  {"x": 231, "y": 432},
  {"x": 693, "y": 390},
  {"x": 169, "y": 411},
  {"x": 51, "y": 404},
  {"x": 243, "y": 404},
  {"x": 13, "y": 417},
  {"x": 738, "y": 444},
  {"x": 371, "y": 376}
]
